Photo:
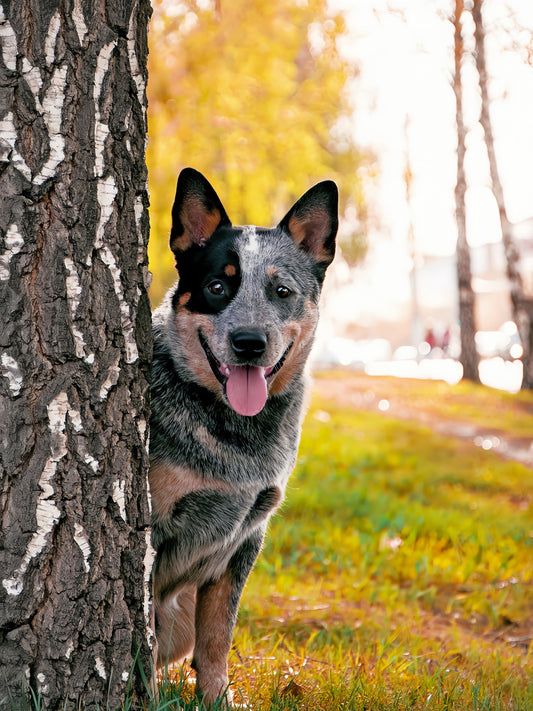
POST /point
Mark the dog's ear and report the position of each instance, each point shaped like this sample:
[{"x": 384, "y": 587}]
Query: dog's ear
[
  {"x": 196, "y": 213},
  {"x": 313, "y": 221}
]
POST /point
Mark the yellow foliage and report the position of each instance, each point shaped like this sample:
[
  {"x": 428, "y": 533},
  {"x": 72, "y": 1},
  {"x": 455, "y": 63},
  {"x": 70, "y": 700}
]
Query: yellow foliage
[{"x": 254, "y": 96}]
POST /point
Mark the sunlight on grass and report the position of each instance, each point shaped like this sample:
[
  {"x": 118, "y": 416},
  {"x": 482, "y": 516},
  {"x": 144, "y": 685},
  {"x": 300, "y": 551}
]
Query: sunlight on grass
[{"x": 398, "y": 574}]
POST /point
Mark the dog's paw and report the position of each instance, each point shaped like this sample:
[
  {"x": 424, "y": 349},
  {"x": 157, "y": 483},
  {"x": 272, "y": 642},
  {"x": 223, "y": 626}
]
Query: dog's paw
[{"x": 214, "y": 693}]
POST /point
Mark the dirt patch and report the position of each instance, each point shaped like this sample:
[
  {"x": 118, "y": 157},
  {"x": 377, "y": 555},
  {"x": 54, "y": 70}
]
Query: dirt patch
[{"x": 375, "y": 394}]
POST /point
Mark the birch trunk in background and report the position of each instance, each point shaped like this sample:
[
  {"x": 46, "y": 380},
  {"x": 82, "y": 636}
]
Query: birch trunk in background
[
  {"x": 467, "y": 320},
  {"x": 521, "y": 306},
  {"x": 75, "y": 351}
]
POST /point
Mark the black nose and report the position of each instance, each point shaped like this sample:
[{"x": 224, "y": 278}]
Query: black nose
[{"x": 248, "y": 343}]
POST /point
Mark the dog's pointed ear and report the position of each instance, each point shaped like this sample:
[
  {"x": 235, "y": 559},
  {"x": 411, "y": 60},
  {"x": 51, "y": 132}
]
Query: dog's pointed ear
[
  {"x": 313, "y": 222},
  {"x": 196, "y": 213}
]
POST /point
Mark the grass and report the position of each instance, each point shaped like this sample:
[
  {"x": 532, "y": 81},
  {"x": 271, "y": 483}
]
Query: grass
[{"x": 399, "y": 573}]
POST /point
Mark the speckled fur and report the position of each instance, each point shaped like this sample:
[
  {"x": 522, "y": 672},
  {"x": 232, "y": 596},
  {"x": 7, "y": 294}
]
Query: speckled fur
[{"x": 217, "y": 476}]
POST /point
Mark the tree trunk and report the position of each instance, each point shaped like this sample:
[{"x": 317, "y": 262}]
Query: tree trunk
[
  {"x": 75, "y": 351},
  {"x": 518, "y": 300},
  {"x": 469, "y": 355}
]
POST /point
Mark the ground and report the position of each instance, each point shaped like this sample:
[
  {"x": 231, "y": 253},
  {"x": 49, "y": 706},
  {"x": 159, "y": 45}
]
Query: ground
[
  {"x": 398, "y": 573},
  {"x": 454, "y": 413}
]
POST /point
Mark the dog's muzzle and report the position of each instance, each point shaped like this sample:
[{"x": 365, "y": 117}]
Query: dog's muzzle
[{"x": 245, "y": 385}]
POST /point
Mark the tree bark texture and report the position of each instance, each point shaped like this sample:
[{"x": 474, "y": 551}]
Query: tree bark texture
[
  {"x": 467, "y": 320},
  {"x": 518, "y": 300},
  {"x": 75, "y": 351}
]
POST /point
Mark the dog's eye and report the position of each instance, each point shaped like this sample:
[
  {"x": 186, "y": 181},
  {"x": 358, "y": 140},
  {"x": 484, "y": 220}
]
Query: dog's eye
[
  {"x": 216, "y": 288},
  {"x": 283, "y": 291}
]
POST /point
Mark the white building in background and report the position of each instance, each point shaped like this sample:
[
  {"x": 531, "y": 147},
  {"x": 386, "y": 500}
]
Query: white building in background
[{"x": 375, "y": 301}]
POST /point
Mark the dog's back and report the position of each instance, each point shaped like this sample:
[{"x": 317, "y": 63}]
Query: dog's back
[{"x": 231, "y": 342}]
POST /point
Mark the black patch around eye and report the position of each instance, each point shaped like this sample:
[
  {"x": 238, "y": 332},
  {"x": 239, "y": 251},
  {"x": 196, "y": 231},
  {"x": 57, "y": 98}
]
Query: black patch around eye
[
  {"x": 201, "y": 268},
  {"x": 218, "y": 293}
]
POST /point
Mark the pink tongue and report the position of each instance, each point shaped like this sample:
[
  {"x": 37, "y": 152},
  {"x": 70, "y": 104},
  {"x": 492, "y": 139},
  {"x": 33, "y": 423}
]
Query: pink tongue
[{"x": 246, "y": 389}]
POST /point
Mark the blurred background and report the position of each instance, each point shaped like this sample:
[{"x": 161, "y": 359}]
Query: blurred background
[{"x": 267, "y": 99}]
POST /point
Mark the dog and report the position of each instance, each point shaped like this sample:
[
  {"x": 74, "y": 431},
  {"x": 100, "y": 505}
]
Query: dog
[{"x": 231, "y": 341}]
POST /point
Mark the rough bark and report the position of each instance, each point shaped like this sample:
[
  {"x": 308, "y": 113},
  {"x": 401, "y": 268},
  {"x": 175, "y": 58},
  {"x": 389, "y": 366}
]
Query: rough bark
[
  {"x": 75, "y": 350},
  {"x": 469, "y": 355},
  {"x": 518, "y": 299}
]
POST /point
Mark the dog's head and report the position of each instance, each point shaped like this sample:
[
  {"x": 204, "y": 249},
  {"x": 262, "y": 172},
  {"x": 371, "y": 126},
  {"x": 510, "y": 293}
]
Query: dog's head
[{"x": 245, "y": 307}]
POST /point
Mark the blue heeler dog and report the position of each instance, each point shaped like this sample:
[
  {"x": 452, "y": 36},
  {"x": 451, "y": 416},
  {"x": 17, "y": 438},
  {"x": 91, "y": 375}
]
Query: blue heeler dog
[{"x": 231, "y": 343}]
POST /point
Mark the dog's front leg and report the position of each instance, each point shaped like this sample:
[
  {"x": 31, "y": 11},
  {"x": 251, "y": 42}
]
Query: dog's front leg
[{"x": 216, "y": 612}]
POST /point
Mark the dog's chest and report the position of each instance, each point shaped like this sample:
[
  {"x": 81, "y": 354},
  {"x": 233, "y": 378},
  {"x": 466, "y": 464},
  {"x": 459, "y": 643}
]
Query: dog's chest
[{"x": 241, "y": 467}]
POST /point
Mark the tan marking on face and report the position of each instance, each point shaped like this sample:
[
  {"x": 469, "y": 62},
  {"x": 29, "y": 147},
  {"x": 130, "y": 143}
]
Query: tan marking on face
[
  {"x": 272, "y": 271},
  {"x": 169, "y": 483},
  {"x": 214, "y": 631},
  {"x": 229, "y": 270},
  {"x": 184, "y": 299},
  {"x": 301, "y": 334},
  {"x": 188, "y": 325}
]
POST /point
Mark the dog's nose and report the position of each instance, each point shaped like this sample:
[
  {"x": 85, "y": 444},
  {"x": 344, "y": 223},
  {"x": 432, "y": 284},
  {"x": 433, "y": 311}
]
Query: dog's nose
[{"x": 247, "y": 343}]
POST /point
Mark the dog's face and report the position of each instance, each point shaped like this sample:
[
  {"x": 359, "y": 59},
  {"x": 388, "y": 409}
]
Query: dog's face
[{"x": 245, "y": 308}]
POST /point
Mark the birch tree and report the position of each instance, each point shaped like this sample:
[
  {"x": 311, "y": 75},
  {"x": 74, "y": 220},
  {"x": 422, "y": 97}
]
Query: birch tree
[
  {"x": 75, "y": 349},
  {"x": 521, "y": 306},
  {"x": 469, "y": 355}
]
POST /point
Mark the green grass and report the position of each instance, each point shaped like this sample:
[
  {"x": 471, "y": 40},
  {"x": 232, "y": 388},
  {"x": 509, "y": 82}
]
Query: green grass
[{"x": 399, "y": 573}]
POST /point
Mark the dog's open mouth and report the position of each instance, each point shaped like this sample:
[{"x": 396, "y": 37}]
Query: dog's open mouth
[{"x": 246, "y": 386}]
